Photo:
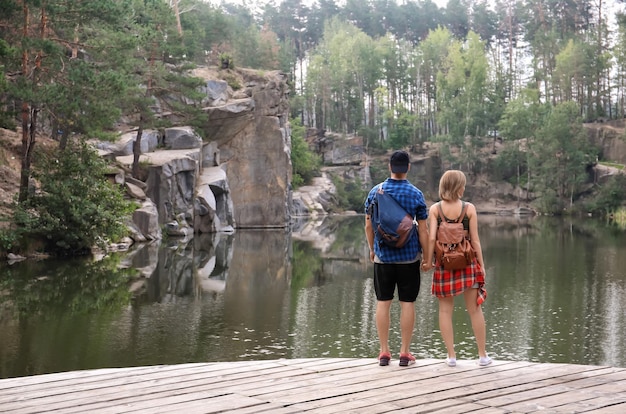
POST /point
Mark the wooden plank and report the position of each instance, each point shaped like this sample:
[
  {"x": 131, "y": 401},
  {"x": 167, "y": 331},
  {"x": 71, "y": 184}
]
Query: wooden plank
[
  {"x": 200, "y": 402},
  {"x": 109, "y": 390},
  {"x": 600, "y": 405},
  {"x": 578, "y": 392},
  {"x": 11, "y": 383},
  {"x": 211, "y": 373},
  {"x": 426, "y": 386},
  {"x": 381, "y": 399},
  {"x": 154, "y": 382},
  {"x": 44, "y": 395},
  {"x": 322, "y": 385},
  {"x": 350, "y": 382}
]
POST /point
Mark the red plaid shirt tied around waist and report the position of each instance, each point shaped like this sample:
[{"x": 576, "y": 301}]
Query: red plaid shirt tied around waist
[{"x": 454, "y": 282}]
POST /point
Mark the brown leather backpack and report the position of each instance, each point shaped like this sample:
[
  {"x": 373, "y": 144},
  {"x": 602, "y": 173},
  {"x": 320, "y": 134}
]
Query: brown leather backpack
[{"x": 453, "y": 249}]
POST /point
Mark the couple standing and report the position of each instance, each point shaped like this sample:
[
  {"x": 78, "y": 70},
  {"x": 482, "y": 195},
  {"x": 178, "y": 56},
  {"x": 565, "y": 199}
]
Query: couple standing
[{"x": 400, "y": 267}]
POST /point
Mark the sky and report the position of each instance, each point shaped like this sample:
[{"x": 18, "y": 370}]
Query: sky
[
  {"x": 440, "y": 3},
  {"x": 612, "y": 4}
]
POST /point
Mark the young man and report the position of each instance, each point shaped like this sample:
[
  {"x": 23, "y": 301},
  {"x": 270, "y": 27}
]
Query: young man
[{"x": 397, "y": 267}]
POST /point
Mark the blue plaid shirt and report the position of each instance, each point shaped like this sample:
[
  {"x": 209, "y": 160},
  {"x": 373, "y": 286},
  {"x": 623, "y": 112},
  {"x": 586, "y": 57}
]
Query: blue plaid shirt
[{"x": 412, "y": 200}]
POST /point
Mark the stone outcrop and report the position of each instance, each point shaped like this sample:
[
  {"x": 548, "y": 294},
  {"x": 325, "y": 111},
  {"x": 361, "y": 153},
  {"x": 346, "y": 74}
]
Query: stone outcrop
[
  {"x": 343, "y": 158},
  {"x": 213, "y": 209},
  {"x": 238, "y": 176},
  {"x": 183, "y": 195},
  {"x": 314, "y": 200},
  {"x": 608, "y": 137},
  {"x": 252, "y": 132}
]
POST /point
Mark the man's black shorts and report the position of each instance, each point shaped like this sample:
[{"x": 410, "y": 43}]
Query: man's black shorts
[{"x": 405, "y": 276}]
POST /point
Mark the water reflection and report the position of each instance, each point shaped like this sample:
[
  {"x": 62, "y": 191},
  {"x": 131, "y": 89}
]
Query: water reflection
[{"x": 557, "y": 293}]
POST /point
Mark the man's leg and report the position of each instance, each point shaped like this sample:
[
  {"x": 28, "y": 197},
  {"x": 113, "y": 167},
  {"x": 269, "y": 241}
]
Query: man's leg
[
  {"x": 407, "y": 323},
  {"x": 383, "y": 315},
  {"x": 409, "y": 280}
]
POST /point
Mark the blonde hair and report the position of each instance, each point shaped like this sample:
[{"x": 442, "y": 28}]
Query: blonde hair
[{"x": 451, "y": 185}]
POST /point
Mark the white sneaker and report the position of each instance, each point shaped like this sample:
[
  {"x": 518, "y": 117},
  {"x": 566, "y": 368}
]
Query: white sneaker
[
  {"x": 451, "y": 362},
  {"x": 484, "y": 361}
]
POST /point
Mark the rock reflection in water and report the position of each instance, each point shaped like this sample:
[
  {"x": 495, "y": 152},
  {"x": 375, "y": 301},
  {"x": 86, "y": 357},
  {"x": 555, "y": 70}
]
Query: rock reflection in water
[{"x": 205, "y": 264}]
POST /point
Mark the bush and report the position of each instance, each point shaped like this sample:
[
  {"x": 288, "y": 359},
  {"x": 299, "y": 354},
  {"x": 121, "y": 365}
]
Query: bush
[
  {"x": 305, "y": 163},
  {"x": 7, "y": 241},
  {"x": 609, "y": 197},
  {"x": 350, "y": 194},
  {"x": 76, "y": 207}
]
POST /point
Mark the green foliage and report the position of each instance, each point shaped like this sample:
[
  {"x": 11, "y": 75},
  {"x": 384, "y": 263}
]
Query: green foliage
[
  {"x": 619, "y": 217},
  {"x": 403, "y": 131},
  {"x": 296, "y": 105},
  {"x": 344, "y": 69},
  {"x": 350, "y": 193},
  {"x": 305, "y": 164},
  {"x": 233, "y": 82},
  {"x": 8, "y": 239},
  {"x": 378, "y": 173},
  {"x": 226, "y": 61},
  {"x": 561, "y": 155},
  {"x": 306, "y": 264},
  {"x": 6, "y": 117},
  {"x": 76, "y": 207},
  {"x": 80, "y": 286},
  {"x": 609, "y": 197},
  {"x": 371, "y": 138},
  {"x": 509, "y": 164}
]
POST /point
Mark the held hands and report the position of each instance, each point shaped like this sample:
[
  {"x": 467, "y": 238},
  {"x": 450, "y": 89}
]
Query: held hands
[{"x": 426, "y": 265}]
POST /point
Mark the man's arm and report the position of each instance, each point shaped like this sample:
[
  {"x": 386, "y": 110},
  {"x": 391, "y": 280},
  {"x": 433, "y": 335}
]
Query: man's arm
[
  {"x": 369, "y": 234},
  {"x": 422, "y": 233}
]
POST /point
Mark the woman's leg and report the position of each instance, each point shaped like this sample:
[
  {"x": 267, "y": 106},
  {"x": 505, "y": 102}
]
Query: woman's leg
[
  {"x": 446, "y": 308},
  {"x": 478, "y": 320}
]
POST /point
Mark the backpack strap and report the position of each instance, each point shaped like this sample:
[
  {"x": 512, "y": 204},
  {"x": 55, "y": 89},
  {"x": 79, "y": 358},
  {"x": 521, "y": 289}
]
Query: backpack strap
[
  {"x": 460, "y": 217},
  {"x": 381, "y": 190}
]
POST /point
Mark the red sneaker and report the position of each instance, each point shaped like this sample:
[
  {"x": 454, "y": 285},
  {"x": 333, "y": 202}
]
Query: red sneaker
[
  {"x": 383, "y": 359},
  {"x": 407, "y": 359}
]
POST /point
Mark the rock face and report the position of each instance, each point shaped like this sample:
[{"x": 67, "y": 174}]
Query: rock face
[
  {"x": 183, "y": 191},
  {"x": 608, "y": 138},
  {"x": 238, "y": 176},
  {"x": 252, "y": 133}
]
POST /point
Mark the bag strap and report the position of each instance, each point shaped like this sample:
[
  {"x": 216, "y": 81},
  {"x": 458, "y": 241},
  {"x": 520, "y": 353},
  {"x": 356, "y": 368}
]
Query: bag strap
[
  {"x": 461, "y": 216},
  {"x": 381, "y": 190}
]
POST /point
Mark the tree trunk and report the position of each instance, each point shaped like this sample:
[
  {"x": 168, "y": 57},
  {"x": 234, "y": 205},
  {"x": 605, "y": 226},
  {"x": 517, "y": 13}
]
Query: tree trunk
[
  {"x": 137, "y": 147},
  {"x": 179, "y": 27},
  {"x": 26, "y": 143},
  {"x": 26, "y": 153}
]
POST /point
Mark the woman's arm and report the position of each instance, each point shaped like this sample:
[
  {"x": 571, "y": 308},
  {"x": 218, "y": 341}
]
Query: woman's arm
[{"x": 473, "y": 232}]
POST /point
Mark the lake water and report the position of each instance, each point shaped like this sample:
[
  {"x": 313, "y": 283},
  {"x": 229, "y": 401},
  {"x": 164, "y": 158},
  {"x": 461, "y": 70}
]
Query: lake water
[{"x": 556, "y": 293}]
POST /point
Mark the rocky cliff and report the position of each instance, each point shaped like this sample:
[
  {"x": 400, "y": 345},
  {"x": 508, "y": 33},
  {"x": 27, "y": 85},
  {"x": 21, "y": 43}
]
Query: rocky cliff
[
  {"x": 237, "y": 176},
  {"x": 250, "y": 127}
]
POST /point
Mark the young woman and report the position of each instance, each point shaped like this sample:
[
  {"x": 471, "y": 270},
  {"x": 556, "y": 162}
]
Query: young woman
[{"x": 470, "y": 281}]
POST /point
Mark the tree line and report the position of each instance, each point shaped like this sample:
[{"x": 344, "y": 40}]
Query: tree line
[
  {"x": 524, "y": 72},
  {"x": 527, "y": 72}
]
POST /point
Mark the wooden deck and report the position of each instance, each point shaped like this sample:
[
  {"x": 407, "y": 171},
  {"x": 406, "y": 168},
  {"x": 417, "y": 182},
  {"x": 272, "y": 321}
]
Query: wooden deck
[{"x": 334, "y": 385}]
